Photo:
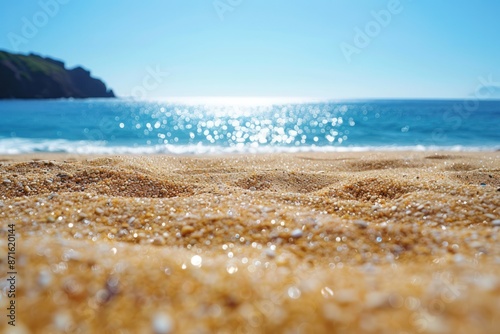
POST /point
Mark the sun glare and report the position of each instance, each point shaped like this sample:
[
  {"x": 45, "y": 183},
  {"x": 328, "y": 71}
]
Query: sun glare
[{"x": 238, "y": 101}]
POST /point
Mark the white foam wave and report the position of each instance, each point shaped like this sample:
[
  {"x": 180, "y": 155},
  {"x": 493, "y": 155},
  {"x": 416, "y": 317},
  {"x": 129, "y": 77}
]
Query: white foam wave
[{"x": 22, "y": 145}]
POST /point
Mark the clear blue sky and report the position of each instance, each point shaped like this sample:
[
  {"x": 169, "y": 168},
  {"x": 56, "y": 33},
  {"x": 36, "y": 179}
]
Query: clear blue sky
[{"x": 430, "y": 48}]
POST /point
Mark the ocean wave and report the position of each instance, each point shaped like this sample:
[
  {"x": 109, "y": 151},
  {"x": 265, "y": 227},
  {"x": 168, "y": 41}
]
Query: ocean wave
[{"x": 22, "y": 146}]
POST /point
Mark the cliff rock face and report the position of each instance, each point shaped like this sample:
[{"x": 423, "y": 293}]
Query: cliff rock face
[{"x": 35, "y": 77}]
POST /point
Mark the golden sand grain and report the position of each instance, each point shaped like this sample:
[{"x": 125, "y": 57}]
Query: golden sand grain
[{"x": 302, "y": 243}]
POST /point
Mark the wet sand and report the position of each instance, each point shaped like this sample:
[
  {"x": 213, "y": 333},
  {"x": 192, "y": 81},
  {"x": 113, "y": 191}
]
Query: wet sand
[{"x": 288, "y": 243}]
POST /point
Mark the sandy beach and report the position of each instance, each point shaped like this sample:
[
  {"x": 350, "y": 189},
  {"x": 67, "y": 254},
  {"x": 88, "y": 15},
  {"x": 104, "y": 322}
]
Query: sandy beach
[{"x": 372, "y": 242}]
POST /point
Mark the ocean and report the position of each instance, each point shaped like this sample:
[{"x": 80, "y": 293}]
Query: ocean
[{"x": 121, "y": 126}]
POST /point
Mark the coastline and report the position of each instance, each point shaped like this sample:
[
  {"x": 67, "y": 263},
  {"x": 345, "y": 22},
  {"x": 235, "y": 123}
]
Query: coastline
[
  {"x": 322, "y": 242},
  {"x": 372, "y": 154}
]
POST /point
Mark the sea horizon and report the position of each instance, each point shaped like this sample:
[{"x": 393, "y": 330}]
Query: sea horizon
[{"x": 213, "y": 125}]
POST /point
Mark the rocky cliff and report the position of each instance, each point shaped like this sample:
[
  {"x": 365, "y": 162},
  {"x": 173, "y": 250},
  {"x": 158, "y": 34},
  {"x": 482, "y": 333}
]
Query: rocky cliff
[{"x": 35, "y": 77}]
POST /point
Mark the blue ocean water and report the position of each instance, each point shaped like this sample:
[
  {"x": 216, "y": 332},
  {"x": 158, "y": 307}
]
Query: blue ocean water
[{"x": 128, "y": 126}]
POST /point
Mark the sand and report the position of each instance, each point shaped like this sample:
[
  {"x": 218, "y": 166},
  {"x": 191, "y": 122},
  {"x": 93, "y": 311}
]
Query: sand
[{"x": 289, "y": 243}]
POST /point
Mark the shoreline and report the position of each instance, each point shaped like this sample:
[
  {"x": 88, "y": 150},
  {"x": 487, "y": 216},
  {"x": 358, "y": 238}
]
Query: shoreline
[
  {"x": 61, "y": 156},
  {"x": 194, "y": 150}
]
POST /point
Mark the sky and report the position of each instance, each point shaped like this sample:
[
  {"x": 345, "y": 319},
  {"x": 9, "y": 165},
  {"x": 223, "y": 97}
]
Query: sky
[{"x": 288, "y": 48}]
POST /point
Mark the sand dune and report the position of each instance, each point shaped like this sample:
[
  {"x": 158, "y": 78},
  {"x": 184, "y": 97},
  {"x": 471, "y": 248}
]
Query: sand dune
[{"x": 294, "y": 243}]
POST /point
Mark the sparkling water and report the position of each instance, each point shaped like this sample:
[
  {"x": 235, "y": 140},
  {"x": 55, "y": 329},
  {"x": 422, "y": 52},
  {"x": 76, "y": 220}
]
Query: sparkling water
[{"x": 193, "y": 126}]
